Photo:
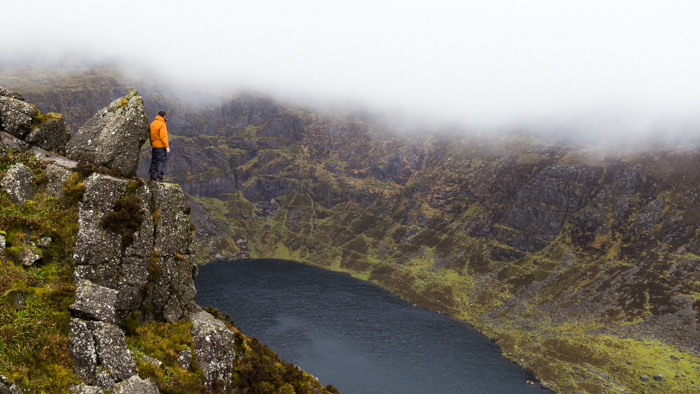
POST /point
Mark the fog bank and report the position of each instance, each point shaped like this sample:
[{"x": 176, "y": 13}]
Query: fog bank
[{"x": 628, "y": 68}]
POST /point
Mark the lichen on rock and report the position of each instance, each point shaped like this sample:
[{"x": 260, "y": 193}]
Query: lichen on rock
[
  {"x": 113, "y": 136},
  {"x": 18, "y": 184},
  {"x": 214, "y": 346},
  {"x": 52, "y": 135},
  {"x": 16, "y": 116}
]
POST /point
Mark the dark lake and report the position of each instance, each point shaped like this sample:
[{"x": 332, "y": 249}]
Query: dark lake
[{"x": 355, "y": 335}]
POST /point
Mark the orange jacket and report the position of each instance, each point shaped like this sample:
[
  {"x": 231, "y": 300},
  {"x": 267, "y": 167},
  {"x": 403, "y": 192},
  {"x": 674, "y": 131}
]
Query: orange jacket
[{"x": 159, "y": 133}]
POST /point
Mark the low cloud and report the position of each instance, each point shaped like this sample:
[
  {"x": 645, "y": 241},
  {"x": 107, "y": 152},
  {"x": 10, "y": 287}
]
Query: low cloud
[{"x": 625, "y": 68}]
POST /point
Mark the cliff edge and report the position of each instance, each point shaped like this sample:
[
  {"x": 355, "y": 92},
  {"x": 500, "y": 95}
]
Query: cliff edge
[{"x": 99, "y": 269}]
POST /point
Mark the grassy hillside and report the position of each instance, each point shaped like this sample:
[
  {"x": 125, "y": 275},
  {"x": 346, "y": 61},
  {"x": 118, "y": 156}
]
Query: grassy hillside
[{"x": 581, "y": 261}]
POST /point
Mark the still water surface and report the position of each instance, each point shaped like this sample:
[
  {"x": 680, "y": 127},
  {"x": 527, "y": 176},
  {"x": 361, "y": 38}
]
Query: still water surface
[{"x": 355, "y": 335}]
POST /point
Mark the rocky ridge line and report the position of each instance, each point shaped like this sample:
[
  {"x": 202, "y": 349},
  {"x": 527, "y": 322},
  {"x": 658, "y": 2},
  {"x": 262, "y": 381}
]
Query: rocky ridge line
[{"x": 149, "y": 278}]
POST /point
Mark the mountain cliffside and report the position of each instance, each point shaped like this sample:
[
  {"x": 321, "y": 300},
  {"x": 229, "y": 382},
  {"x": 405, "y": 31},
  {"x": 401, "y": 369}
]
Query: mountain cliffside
[
  {"x": 581, "y": 262},
  {"x": 98, "y": 271}
]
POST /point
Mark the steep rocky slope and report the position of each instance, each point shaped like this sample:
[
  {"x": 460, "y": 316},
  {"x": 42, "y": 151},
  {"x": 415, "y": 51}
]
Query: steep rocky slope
[
  {"x": 582, "y": 262},
  {"x": 98, "y": 272}
]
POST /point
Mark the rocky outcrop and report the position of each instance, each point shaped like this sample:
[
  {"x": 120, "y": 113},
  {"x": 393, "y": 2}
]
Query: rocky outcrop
[
  {"x": 100, "y": 354},
  {"x": 114, "y": 136},
  {"x": 58, "y": 172},
  {"x": 22, "y": 125},
  {"x": 9, "y": 141},
  {"x": 52, "y": 135},
  {"x": 95, "y": 302},
  {"x": 214, "y": 346},
  {"x": 16, "y": 116},
  {"x": 18, "y": 184},
  {"x": 156, "y": 268}
]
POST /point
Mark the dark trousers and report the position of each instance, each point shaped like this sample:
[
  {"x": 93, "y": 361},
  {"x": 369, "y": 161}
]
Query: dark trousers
[{"x": 159, "y": 156}]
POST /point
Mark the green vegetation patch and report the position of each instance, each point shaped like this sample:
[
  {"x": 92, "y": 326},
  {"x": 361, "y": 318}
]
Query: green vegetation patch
[
  {"x": 260, "y": 370},
  {"x": 34, "y": 332},
  {"x": 163, "y": 341},
  {"x": 126, "y": 216}
]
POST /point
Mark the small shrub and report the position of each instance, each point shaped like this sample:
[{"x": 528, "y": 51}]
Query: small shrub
[
  {"x": 125, "y": 219},
  {"x": 37, "y": 119},
  {"x": 123, "y": 103},
  {"x": 73, "y": 189},
  {"x": 85, "y": 168}
]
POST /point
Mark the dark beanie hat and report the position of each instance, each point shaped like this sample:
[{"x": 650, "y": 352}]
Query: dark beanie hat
[{"x": 161, "y": 113}]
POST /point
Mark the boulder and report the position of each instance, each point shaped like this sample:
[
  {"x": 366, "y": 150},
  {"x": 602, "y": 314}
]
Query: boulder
[
  {"x": 113, "y": 136},
  {"x": 94, "y": 302},
  {"x": 82, "y": 350},
  {"x": 136, "y": 385},
  {"x": 58, "y": 176},
  {"x": 214, "y": 346},
  {"x": 99, "y": 353},
  {"x": 52, "y": 136},
  {"x": 18, "y": 184},
  {"x": 112, "y": 354},
  {"x": 9, "y": 141},
  {"x": 11, "y": 94},
  {"x": 16, "y": 116}
]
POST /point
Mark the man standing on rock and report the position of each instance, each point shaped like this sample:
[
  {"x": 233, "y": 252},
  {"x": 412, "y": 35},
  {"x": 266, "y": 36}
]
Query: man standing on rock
[{"x": 159, "y": 147}]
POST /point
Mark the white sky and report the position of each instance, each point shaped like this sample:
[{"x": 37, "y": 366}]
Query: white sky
[{"x": 487, "y": 62}]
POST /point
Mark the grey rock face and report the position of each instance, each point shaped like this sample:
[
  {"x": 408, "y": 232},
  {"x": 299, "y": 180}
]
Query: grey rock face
[
  {"x": 94, "y": 302},
  {"x": 184, "y": 358},
  {"x": 11, "y": 94},
  {"x": 136, "y": 385},
  {"x": 113, "y": 137},
  {"x": 52, "y": 136},
  {"x": 16, "y": 116},
  {"x": 541, "y": 206},
  {"x": 18, "y": 184},
  {"x": 85, "y": 389},
  {"x": 172, "y": 233},
  {"x": 169, "y": 289},
  {"x": 98, "y": 253},
  {"x": 58, "y": 176},
  {"x": 82, "y": 350},
  {"x": 214, "y": 346},
  {"x": 112, "y": 354},
  {"x": 9, "y": 141},
  {"x": 8, "y": 388}
]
